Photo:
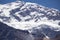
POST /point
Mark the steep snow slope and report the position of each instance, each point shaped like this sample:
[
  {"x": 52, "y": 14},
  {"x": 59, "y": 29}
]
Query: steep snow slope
[{"x": 26, "y": 15}]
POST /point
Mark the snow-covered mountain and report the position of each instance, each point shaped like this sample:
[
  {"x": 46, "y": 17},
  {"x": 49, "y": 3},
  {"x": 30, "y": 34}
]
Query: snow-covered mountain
[
  {"x": 28, "y": 15},
  {"x": 40, "y": 21}
]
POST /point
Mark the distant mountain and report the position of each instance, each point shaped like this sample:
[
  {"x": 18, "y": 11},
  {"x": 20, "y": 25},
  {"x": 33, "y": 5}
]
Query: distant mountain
[{"x": 29, "y": 21}]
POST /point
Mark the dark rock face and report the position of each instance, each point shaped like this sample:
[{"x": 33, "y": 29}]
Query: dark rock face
[
  {"x": 8, "y": 33},
  {"x": 57, "y": 37}
]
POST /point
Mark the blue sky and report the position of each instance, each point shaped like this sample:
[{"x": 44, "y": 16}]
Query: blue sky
[{"x": 47, "y": 3}]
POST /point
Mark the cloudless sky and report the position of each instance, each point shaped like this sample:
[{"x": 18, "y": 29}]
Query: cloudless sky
[{"x": 47, "y": 3}]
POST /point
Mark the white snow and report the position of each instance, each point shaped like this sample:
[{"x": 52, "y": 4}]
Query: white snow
[{"x": 25, "y": 25}]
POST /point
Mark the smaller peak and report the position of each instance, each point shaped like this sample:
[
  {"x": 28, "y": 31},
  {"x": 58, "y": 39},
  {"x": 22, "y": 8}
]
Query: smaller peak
[{"x": 17, "y": 1}]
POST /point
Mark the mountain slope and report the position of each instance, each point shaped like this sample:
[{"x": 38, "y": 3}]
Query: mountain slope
[{"x": 9, "y": 33}]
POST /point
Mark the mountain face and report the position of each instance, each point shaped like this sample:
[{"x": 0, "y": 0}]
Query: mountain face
[
  {"x": 41, "y": 23},
  {"x": 9, "y": 33}
]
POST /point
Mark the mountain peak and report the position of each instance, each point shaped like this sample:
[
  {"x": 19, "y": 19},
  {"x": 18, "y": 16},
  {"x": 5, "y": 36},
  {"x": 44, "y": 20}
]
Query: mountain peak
[{"x": 28, "y": 15}]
